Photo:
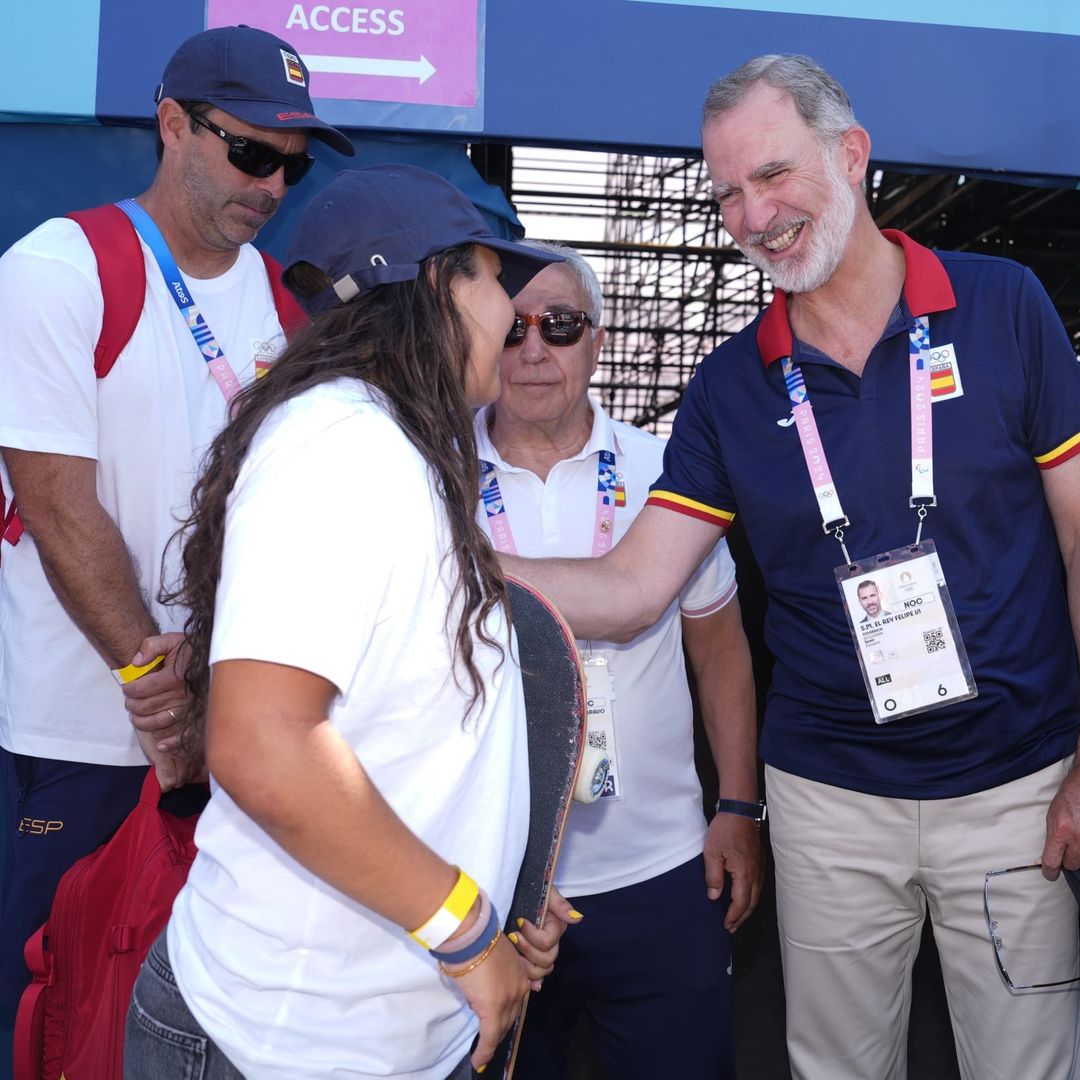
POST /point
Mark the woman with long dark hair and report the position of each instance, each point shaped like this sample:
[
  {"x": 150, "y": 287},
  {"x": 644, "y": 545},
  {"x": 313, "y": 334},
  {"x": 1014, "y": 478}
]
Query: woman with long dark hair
[{"x": 364, "y": 720}]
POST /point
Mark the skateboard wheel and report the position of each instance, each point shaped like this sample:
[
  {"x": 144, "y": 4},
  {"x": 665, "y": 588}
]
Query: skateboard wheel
[{"x": 592, "y": 775}]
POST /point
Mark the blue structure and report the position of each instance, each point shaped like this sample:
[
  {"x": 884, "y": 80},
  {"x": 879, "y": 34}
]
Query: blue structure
[{"x": 980, "y": 86}]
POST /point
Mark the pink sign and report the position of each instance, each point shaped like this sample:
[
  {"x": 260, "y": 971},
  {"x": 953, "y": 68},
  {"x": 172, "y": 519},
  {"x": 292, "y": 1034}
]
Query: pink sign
[{"x": 419, "y": 52}]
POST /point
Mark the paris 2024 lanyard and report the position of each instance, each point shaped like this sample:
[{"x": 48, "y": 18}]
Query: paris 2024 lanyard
[
  {"x": 897, "y": 603},
  {"x": 599, "y": 677},
  {"x": 205, "y": 342}
]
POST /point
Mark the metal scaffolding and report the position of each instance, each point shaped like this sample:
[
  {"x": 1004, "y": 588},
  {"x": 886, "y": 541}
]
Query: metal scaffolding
[{"x": 674, "y": 285}]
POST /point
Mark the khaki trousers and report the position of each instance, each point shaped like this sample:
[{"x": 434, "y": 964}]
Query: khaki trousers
[{"x": 855, "y": 876}]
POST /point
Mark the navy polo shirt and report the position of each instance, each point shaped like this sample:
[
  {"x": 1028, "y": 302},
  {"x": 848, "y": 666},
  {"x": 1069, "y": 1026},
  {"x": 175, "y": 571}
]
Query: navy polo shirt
[{"x": 1018, "y": 413}]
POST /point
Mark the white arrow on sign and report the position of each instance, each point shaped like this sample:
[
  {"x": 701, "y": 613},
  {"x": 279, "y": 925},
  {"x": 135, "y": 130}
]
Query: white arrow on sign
[{"x": 421, "y": 69}]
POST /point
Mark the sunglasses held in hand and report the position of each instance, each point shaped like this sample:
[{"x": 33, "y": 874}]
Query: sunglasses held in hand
[
  {"x": 556, "y": 327},
  {"x": 1011, "y": 950},
  {"x": 255, "y": 158}
]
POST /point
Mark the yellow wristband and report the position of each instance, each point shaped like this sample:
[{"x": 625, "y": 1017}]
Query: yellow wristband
[
  {"x": 132, "y": 672},
  {"x": 451, "y": 914}
]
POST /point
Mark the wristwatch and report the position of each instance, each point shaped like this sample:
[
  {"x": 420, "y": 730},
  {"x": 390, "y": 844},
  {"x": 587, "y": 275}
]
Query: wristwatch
[{"x": 753, "y": 810}]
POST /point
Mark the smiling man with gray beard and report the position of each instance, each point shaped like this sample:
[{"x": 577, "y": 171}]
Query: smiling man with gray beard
[{"x": 935, "y": 399}]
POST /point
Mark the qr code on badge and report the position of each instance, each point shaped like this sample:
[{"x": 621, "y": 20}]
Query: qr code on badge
[
  {"x": 934, "y": 640},
  {"x": 598, "y": 740}
]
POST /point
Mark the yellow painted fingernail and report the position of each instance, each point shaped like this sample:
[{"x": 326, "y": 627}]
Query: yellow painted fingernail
[
  {"x": 513, "y": 940},
  {"x": 481, "y": 1069},
  {"x": 576, "y": 914},
  {"x": 520, "y": 922}
]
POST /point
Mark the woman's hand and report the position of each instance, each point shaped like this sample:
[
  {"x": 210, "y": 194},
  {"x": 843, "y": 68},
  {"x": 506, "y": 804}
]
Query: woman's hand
[
  {"x": 539, "y": 945},
  {"x": 495, "y": 990}
]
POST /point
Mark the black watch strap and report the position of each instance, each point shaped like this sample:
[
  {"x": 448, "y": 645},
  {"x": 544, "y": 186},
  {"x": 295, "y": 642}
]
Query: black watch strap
[{"x": 753, "y": 810}]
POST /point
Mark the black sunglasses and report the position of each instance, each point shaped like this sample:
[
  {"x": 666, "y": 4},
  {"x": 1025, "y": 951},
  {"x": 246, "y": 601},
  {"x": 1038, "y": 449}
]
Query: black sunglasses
[
  {"x": 556, "y": 327},
  {"x": 256, "y": 158}
]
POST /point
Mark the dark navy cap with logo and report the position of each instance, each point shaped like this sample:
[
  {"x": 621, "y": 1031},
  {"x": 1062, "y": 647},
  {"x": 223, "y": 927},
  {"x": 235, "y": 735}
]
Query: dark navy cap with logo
[
  {"x": 251, "y": 75},
  {"x": 373, "y": 226}
]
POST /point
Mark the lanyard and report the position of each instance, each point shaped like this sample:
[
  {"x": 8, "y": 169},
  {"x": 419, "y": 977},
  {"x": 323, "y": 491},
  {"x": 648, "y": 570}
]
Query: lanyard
[
  {"x": 833, "y": 519},
  {"x": 219, "y": 366},
  {"x": 499, "y": 521}
]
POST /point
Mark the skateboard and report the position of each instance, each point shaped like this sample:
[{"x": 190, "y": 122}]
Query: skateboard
[{"x": 556, "y": 714}]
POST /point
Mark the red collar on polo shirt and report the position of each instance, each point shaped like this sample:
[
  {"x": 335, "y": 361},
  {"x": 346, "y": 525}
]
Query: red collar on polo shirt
[{"x": 926, "y": 289}]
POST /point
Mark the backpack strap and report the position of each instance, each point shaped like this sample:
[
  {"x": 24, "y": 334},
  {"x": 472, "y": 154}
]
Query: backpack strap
[
  {"x": 122, "y": 273},
  {"x": 29, "y": 1036},
  {"x": 290, "y": 314},
  {"x": 11, "y": 526}
]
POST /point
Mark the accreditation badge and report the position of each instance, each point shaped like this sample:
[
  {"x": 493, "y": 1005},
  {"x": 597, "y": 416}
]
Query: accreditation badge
[
  {"x": 600, "y": 730},
  {"x": 905, "y": 631}
]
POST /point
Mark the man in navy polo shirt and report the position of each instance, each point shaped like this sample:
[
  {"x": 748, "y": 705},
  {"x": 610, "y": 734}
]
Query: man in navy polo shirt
[{"x": 896, "y": 791}]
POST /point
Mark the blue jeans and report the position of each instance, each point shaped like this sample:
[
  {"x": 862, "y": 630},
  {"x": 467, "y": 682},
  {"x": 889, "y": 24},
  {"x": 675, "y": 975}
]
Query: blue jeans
[{"x": 163, "y": 1039}]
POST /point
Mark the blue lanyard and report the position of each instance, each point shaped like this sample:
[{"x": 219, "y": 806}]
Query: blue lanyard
[{"x": 205, "y": 342}]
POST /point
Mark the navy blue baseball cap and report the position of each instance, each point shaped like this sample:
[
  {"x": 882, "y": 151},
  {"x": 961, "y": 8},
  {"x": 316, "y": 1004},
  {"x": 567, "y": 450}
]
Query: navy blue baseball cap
[
  {"x": 376, "y": 225},
  {"x": 251, "y": 75}
]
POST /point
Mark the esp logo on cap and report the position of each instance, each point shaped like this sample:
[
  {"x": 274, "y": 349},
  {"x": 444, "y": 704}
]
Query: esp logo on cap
[{"x": 294, "y": 72}]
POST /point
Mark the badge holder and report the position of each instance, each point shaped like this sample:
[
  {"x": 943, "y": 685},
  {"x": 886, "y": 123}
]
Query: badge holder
[
  {"x": 600, "y": 732},
  {"x": 905, "y": 631}
]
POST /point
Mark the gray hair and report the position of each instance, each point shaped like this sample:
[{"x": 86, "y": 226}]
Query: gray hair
[
  {"x": 583, "y": 273},
  {"x": 818, "y": 98}
]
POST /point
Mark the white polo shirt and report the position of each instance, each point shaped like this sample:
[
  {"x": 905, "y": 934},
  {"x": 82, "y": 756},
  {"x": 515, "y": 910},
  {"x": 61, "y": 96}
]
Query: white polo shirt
[
  {"x": 657, "y": 824},
  {"x": 335, "y": 562}
]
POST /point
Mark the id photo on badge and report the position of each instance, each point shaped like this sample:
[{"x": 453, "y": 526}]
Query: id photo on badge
[{"x": 905, "y": 633}]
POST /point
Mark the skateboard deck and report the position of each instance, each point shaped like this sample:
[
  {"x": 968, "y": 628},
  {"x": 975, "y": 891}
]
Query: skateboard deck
[{"x": 555, "y": 710}]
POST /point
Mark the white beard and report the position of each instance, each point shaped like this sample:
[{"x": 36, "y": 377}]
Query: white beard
[{"x": 827, "y": 240}]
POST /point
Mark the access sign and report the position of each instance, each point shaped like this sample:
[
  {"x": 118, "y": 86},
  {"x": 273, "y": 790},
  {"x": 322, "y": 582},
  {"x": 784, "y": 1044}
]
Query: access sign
[{"x": 421, "y": 52}]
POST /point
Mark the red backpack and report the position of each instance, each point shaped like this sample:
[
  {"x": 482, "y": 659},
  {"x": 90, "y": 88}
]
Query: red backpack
[
  {"x": 122, "y": 273},
  {"x": 108, "y": 909}
]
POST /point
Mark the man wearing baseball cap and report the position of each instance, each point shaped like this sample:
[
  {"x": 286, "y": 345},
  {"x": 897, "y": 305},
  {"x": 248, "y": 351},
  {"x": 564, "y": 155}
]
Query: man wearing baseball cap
[{"x": 101, "y": 468}]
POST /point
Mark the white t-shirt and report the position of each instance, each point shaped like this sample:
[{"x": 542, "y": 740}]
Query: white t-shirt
[
  {"x": 657, "y": 824},
  {"x": 146, "y": 424},
  {"x": 334, "y": 562}
]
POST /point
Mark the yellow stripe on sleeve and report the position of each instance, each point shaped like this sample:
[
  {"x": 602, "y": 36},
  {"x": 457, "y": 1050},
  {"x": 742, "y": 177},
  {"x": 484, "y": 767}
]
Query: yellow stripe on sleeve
[
  {"x": 1058, "y": 451},
  {"x": 690, "y": 506}
]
